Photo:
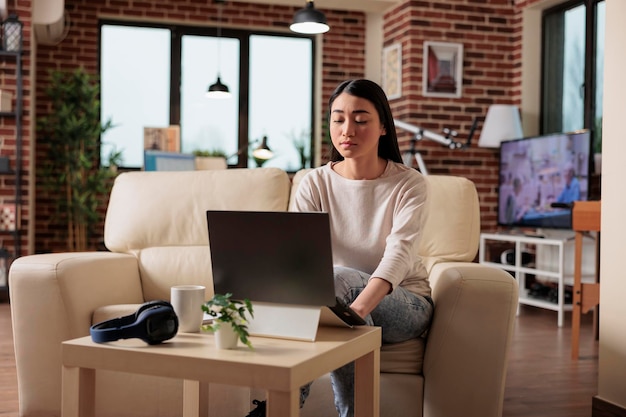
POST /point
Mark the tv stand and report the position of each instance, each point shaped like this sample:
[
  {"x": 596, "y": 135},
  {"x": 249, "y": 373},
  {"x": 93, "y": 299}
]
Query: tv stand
[{"x": 558, "y": 270}]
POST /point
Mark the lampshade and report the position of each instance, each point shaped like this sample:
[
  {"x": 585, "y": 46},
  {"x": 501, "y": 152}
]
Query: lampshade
[
  {"x": 502, "y": 123},
  {"x": 218, "y": 90},
  {"x": 263, "y": 152},
  {"x": 309, "y": 20}
]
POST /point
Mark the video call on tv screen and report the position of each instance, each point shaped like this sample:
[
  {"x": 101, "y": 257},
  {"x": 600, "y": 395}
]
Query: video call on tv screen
[{"x": 540, "y": 178}]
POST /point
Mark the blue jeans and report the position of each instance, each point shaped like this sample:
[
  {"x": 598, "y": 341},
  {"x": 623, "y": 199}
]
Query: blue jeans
[{"x": 402, "y": 315}]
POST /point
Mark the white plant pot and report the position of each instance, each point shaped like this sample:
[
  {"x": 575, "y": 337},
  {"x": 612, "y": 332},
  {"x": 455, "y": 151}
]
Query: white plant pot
[
  {"x": 210, "y": 162},
  {"x": 225, "y": 337}
]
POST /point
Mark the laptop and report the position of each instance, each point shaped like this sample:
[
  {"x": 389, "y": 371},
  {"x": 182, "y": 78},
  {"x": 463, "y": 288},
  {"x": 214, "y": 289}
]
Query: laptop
[{"x": 282, "y": 262}]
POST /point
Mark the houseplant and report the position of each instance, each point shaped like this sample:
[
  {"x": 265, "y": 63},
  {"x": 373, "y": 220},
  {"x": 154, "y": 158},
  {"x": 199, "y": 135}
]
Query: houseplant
[
  {"x": 229, "y": 320},
  {"x": 210, "y": 159},
  {"x": 73, "y": 174}
]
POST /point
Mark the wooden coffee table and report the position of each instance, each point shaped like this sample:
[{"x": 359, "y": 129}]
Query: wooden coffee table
[{"x": 278, "y": 366}]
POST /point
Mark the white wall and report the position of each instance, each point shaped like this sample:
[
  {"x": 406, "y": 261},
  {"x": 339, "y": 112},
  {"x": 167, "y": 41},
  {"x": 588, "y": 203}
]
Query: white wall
[{"x": 612, "y": 362}]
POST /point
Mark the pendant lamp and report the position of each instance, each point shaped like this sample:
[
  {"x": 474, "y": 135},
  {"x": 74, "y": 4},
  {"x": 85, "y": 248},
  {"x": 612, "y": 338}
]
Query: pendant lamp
[
  {"x": 309, "y": 20},
  {"x": 218, "y": 89}
]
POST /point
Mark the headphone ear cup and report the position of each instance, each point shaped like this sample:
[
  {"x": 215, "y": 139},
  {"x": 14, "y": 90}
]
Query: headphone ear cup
[
  {"x": 159, "y": 321},
  {"x": 150, "y": 304}
]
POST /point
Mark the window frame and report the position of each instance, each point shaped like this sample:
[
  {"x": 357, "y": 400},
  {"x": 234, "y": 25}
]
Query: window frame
[
  {"x": 243, "y": 35},
  {"x": 589, "y": 86}
]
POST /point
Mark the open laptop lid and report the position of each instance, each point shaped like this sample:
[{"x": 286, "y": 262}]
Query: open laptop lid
[{"x": 274, "y": 257}]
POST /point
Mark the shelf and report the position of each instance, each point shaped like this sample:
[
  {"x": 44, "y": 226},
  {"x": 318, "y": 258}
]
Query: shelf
[
  {"x": 14, "y": 60},
  {"x": 567, "y": 279},
  {"x": 10, "y": 53},
  {"x": 547, "y": 305},
  {"x": 554, "y": 253}
]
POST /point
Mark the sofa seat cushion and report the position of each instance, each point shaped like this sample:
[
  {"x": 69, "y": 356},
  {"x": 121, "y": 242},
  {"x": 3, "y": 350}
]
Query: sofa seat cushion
[{"x": 404, "y": 357}]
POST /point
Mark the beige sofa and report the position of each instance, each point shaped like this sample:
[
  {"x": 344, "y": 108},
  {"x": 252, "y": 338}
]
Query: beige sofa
[{"x": 156, "y": 233}]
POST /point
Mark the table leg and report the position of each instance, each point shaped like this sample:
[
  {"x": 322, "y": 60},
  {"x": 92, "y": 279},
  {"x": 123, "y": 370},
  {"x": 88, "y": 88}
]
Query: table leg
[
  {"x": 283, "y": 404},
  {"x": 367, "y": 385},
  {"x": 577, "y": 293},
  {"x": 79, "y": 392},
  {"x": 195, "y": 398}
]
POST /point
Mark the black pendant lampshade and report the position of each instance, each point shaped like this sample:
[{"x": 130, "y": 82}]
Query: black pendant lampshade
[
  {"x": 309, "y": 20},
  {"x": 218, "y": 90}
]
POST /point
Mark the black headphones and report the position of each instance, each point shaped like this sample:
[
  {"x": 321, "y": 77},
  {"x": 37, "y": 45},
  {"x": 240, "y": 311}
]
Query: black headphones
[{"x": 154, "y": 322}]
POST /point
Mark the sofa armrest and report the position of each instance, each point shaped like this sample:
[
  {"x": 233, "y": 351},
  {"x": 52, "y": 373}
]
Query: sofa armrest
[
  {"x": 53, "y": 297},
  {"x": 468, "y": 342}
]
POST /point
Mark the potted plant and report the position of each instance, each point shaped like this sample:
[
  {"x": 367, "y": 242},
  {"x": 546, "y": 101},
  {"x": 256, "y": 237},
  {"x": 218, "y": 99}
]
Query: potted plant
[
  {"x": 210, "y": 159},
  {"x": 73, "y": 173},
  {"x": 229, "y": 320}
]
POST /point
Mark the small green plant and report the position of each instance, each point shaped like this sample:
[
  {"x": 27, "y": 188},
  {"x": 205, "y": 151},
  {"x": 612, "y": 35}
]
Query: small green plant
[
  {"x": 209, "y": 153},
  {"x": 232, "y": 312},
  {"x": 597, "y": 145},
  {"x": 300, "y": 142}
]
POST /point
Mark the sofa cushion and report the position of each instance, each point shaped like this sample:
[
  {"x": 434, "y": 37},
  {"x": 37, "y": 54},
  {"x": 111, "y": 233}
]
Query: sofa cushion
[
  {"x": 449, "y": 235},
  {"x": 163, "y": 267},
  {"x": 404, "y": 357},
  {"x": 148, "y": 209}
]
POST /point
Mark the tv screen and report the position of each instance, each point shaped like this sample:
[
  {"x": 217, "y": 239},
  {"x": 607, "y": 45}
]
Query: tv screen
[{"x": 540, "y": 177}]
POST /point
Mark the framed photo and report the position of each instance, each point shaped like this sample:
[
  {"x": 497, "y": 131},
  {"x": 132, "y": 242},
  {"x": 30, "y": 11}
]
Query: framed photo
[
  {"x": 443, "y": 69},
  {"x": 165, "y": 139},
  {"x": 392, "y": 71}
]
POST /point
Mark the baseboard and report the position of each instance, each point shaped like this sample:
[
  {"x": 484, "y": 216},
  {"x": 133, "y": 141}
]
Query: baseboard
[{"x": 602, "y": 408}]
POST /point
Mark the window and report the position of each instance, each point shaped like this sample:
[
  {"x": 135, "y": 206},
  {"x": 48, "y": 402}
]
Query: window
[
  {"x": 573, "y": 59},
  {"x": 158, "y": 76},
  {"x": 135, "y": 87}
]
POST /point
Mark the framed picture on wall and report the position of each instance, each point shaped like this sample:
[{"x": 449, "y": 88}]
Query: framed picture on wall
[
  {"x": 392, "y": 71},
  {"x": 443, "y": 69},
  {"x": 162, "y": 138}
]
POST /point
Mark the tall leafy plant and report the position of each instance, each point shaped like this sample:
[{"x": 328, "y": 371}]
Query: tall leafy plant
[{"x": 73, "y": 173}]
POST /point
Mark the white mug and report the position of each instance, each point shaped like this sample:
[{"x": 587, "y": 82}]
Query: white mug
[{"x": 187, "y": 301}]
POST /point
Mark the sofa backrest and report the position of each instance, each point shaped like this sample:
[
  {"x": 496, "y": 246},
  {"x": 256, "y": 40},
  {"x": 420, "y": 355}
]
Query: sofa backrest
[
  {"x": 160, "y": 218},
  {"x": 451, "y": 221}
]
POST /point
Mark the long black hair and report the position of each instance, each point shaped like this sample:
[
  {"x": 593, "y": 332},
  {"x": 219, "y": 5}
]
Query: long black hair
[{"x": 388, "y": 147}]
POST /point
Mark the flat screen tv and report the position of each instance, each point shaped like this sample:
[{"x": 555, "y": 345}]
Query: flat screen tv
[{"x": 540, "y": 178}]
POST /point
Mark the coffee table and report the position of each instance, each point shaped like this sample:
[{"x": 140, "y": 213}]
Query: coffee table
[{"x": 278, "y": 366}]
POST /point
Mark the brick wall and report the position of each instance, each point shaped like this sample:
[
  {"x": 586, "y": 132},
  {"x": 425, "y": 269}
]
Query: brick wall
[
  {"x": 343, "y": 57},
  {"x": 8, "y": 137},
  {"x": 489, "y": 30},
  {"x": 490, "y": 34}
]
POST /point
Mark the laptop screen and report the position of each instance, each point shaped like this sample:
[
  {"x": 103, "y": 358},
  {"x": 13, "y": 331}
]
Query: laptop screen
[{"x": 276, "y": 257}]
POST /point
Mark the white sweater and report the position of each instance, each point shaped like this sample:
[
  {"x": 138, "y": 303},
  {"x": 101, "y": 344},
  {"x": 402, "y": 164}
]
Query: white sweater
[{"x": 375, "y": 224}]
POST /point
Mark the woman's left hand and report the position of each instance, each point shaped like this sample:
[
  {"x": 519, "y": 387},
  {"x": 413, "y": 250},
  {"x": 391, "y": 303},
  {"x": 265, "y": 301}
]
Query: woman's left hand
[{"x": 375, "y": 290}]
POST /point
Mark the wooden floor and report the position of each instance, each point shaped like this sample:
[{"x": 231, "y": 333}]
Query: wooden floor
[{"x": 542, "y": 380}]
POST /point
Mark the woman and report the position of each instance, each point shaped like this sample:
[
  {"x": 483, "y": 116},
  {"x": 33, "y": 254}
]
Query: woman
[{"x": 374, "y": 204}]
